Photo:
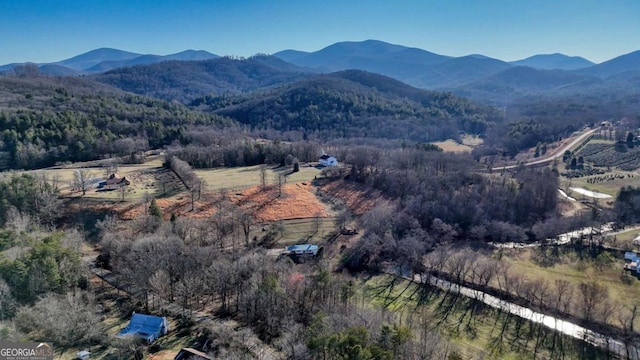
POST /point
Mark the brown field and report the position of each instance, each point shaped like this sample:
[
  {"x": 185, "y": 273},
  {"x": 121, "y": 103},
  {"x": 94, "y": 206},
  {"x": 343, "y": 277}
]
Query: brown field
[
  {"x": 472, "y": 140},
  {"x": 356, "y": 197},
  {"x": 297, "y": 201},
  {"x": 453, "y": 146}
]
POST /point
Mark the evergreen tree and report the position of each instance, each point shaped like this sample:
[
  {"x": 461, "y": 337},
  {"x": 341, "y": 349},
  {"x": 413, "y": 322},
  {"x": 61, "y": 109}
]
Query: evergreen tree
[{"x": 155, "y": 210}]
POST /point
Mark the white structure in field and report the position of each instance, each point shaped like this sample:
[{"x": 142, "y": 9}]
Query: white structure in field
[{"x": 326, "y": 160}]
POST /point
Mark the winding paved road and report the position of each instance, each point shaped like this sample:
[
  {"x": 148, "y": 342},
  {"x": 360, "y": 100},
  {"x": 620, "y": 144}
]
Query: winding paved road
[{"x": 557, "y": 153}]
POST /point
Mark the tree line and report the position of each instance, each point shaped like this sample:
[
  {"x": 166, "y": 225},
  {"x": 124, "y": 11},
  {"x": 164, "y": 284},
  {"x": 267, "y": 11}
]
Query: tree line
[{"x": 304, "y": 311}]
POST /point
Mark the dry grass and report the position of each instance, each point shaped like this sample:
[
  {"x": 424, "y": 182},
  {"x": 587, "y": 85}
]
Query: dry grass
[
  {"x": 453, "y": 146},
  {"x": 472, "y": 140},
  {"x": 145, "y": 178},
  {"x": 358, "y": 198},
  {"x": 311, "y": 231},
  {"x": 244, "y": 177},
  {"x": 297, "y": 201},
  {"x": 571, "y": 268}
]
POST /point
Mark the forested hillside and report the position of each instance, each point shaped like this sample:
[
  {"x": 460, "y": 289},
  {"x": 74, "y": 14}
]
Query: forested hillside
[
  {"x": 184, "y": 81},
  {"x": 49, "y": 120},
  {"x": 355, "y": 103}
]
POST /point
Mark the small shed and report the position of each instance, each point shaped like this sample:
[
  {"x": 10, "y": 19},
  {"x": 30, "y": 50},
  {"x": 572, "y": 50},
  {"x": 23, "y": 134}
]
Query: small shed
[
  {"x": 327, "y": 160},
  {"x": 146, "y": 327}
]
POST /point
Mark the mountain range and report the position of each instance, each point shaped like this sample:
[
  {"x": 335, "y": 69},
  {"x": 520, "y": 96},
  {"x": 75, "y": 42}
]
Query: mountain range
[
  {"x": 190, "y": 74},
  {"x": 105, "y": 59}
]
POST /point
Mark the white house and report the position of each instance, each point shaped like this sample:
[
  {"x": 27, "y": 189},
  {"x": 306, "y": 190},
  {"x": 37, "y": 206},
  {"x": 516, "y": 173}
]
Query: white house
[
  {"x": 326, "y": 160},
  {"x": 302, "y": 249}
]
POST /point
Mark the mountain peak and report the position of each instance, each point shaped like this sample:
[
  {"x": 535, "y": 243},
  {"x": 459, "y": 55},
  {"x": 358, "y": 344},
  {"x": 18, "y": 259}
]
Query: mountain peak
[
  {"x": 94, "y": 57},
  {"x": 555, "y": 61}
]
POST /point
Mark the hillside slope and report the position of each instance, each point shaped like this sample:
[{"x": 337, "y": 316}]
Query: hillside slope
[
  {"x": 48, "y": 120},
  {"x": 184, "y": 81},
  {"x": 355, "y": 103}
]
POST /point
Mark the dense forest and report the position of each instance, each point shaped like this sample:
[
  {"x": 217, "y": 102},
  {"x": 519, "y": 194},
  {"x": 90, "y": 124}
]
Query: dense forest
[
  {"x": 184, "y": 81},
  {"x": 356, "y": 104},
  {"x": 440, "y": 198},
  {"x": 44, "y": 121}
]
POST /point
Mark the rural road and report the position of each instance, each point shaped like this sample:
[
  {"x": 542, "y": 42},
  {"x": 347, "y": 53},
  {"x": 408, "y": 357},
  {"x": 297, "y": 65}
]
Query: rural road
[
  {"x": 557, "y": 153},
  {"x": 615, "y": 347}
]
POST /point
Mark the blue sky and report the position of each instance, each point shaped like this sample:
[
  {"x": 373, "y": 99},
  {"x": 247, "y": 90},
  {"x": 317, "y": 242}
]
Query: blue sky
[{"x": 51, "y": 30}]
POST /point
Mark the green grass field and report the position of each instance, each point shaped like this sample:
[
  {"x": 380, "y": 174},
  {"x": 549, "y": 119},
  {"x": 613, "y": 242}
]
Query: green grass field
[
  {"x": 243, "y": 177},
  {"x": 610, "y": 187},
  {"x": 570, "y": 267},
  {"x": 475, "y": 331}
]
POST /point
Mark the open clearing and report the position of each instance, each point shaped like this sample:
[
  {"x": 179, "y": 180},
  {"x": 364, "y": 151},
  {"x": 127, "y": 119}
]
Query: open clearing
[
  {"x": 358, "y": 198},
  {"x": 475, "y": 331},
  {"x": 248, "y": 176},
  {"x": 589, "y": 193},
  {"x": 148, "y": 178},
  {"x": 296, "y": 201},
  {"x": 453, "y": 146},
  {"x": 570, "y": 267},
  {"x": 304, "y": 231},
  {"x": 468, "y": 142},
  {"x": 610, "y": 187}
]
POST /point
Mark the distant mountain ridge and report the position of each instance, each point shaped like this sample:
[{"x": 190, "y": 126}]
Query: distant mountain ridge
[
  {"x": 554, "y": 62},
  {"x": 186, "y": 80},
  {"x": 180, "y": 77},
  {"x": 478, "y": 76},
  {"x": 105, "y": 59}
]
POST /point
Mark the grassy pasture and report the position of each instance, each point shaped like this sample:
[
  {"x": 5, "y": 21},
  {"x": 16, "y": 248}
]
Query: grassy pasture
[
  {"x": 474, "y": 331},
  {"x": 532, "y": 264},
  {"x": 453, "y": 146},
  {"x": 302, "y": 231},
  {"x": 149, "y": 177},
  {"x": 244, "y": 177},
  {"x": 610, "y": 187}
]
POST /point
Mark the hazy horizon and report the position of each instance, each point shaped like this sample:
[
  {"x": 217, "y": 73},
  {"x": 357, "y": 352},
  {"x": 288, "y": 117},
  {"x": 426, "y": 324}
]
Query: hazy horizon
[{"x": 46, "y": 31}]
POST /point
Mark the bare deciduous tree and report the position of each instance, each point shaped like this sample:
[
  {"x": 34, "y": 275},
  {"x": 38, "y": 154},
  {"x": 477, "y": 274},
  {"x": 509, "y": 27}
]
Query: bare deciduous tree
[
  {"x": 591, "y": 294},
  {"x": 65, "y": 319},
  {"x": 82, "y": 179},
  {"x": 263, "y": 177}
]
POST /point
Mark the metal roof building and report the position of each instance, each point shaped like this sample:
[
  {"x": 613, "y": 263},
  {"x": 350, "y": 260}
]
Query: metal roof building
[{"x": 146, "y": 327}]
